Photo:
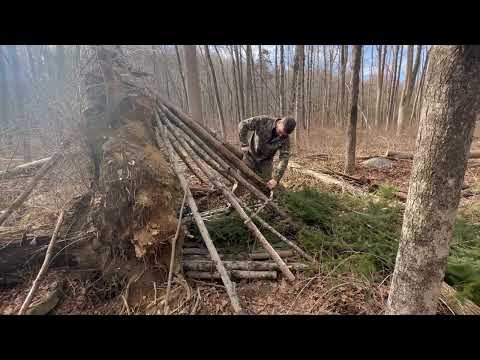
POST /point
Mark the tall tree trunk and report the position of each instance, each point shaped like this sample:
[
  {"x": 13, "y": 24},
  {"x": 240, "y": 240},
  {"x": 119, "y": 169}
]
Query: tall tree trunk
[
  {"x": 381, "y": 66},
  {"x": 217, "y": 94},
  {"x": 396, "y": 102},
  {"x": 352, "y": 124},
  {"x": 60, "y": 61},
  {"x": 283, "y": 100},
  {"x": 180, "y": 70},
  {"x": 276, "y": 79},
  {"x": 343, "y": 61},
  {"x": 19, "y": 88},
  {"x": 31, "y": 62},
  {"x": 260, "y": 99},
  {"x": 406, "y": 98},
  {"x": 237, "y": 87},
  {"x": 193, "y": 82},
  {"x": 300, "y": 102},
  {"x": 294, "y": 86},
  {"x": 240, "y": 81},
  {"x": 255, "y": 105},
  {"x": 248, "y": 86},
  {"x": 391, "y": 102},
  {"x": 443, "y": 144},
  {"x": 4, "y": 98}
]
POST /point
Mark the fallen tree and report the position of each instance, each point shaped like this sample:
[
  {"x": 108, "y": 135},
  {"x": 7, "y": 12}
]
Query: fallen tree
[{"x": 474, "y": 154}]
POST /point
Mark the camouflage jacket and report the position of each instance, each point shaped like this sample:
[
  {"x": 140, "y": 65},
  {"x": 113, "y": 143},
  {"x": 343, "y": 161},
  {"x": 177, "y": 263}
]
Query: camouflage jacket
[{"x": 261, "y": 145}]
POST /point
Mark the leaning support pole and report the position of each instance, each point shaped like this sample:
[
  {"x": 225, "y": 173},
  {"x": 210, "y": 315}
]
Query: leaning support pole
[
  {"x": 243, "y": 215},
  {"x": 44, "y": 267},
  {"x": 228, "y": 169},
  {"x": 229, "y": 286}
]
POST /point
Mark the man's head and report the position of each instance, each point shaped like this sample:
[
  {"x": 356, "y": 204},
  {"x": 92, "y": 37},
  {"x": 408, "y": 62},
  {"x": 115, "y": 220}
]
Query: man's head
[{"x": 285, "y": 126}]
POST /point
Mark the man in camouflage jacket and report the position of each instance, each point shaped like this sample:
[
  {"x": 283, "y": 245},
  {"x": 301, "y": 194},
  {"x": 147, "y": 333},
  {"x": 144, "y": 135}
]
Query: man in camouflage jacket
[{"x": 268, "y": 135}]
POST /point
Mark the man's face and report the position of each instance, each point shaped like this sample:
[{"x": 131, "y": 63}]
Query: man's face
[{"x": 281, "y": 129}]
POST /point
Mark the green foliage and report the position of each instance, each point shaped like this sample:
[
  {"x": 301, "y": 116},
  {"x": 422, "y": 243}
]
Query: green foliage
[
  {"x": 357, "y": 235},
  {"x": 386, "y": 192},
  {"x": 463, "y": 265},
  {"x": 360, "y": 232}
]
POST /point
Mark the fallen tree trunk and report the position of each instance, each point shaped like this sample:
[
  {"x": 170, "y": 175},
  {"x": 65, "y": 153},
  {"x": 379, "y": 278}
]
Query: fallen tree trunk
[
  {"x": 327, "y": 179},
  {"x": 199, "y": 265},
  {"x": 458, "y": 306},
  {"x": 474, "y": 154},
  {"x": 237, "y": 274},
  {"x": 264, "y": 256},
  {"x": 23, "y": 169}
]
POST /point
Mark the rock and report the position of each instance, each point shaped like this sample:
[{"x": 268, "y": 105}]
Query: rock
[{"x": 378, "y": 163}]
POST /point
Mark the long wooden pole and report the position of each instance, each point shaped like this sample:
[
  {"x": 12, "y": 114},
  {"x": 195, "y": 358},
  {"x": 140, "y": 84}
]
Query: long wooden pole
[{"x": 229, "y": 286}]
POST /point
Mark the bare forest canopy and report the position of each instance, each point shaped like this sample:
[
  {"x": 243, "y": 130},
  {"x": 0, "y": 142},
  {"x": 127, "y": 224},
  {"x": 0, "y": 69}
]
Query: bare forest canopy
[{"x": 40, "y": 87}]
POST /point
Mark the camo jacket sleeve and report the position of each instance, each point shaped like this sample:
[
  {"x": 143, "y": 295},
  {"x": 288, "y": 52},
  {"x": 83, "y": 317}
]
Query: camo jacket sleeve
[
  {"x": 245, "y": 126},
  {"x": 284, "y": 155}
]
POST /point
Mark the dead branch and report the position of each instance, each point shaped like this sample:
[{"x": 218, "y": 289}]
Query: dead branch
[{"x": 44, "y": 267}]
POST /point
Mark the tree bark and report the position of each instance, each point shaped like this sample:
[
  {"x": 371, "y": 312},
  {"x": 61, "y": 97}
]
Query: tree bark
[
  {"x": 193, "y": 83},
  {"x": 352, "y": 125},
  {"x": 443, "y": 142}
]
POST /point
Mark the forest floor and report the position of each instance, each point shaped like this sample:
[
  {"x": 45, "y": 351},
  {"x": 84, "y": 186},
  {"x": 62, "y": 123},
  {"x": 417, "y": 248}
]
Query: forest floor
[{"x": 310, "y": 293}]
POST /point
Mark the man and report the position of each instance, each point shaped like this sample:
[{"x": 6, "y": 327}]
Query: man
[{"x": 269, "y": 135}]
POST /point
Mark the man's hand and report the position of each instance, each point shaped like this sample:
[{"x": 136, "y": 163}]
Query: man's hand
[
  {"x": 244, "y": 148},
  {"x": 272, "y": 183}
]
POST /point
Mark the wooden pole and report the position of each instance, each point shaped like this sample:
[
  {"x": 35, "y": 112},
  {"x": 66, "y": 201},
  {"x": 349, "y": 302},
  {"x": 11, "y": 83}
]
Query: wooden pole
[{"x": 229, "y": 286}]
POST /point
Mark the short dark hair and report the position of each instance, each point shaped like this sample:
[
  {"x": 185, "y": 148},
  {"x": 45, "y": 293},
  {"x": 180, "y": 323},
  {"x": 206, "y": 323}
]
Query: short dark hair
[{"x": 289, "y": 124}]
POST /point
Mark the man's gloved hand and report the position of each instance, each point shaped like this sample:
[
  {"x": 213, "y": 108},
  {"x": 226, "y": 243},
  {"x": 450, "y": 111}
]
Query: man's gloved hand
[
  {"x": 272, "y": 183},
  {"x": 244, "y": 150}
]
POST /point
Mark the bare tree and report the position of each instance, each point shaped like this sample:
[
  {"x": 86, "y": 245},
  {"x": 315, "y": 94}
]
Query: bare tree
[
  {"x": 382, "y": 50},
  {"x": 217, "y": 95},
  {"x": 19, "y": 88},
  {"x": 443, "y": 144},
  {"x": 407, "y": 92},
  {"x": 180, "y": 70},
  {"x": 343, "y": 61},
  {"x": 352, "y": 124},
  {"x": 4, "y": 98},
  {"x": 282, "y": 82},
  {"x": 193, "y": 82},
  {"x": 300, "y": 100}
]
